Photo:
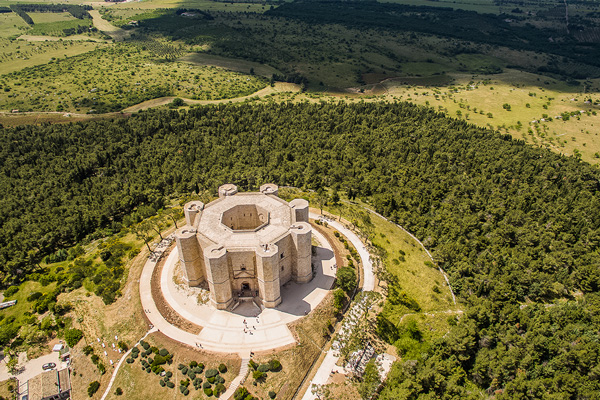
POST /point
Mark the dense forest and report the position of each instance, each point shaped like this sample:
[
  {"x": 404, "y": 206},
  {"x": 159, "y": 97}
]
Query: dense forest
[{"x": 516, "y": 227}]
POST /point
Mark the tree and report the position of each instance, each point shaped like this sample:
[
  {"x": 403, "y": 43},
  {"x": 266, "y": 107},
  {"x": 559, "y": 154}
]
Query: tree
[
  {"x": 174, "y": 214},
  {"x": 346, "y": 279},
  {"x": 370, "y": 380},
  {"x": 73, "y": 336},
  {"x": 93, "y": 388},
  {"x": 143, "y": 232},
  {"x": 13, "y": 364}
]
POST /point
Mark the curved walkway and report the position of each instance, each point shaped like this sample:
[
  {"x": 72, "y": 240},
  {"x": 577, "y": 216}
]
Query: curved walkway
[{"x": 332, "y": 356}]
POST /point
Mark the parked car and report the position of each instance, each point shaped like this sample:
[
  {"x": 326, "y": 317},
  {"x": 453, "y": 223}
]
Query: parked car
[{"x": 48, "y": 366}]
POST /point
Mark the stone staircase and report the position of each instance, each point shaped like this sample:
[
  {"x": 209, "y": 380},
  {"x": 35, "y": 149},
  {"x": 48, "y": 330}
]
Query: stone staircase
[{"x": 238, "y": 380}]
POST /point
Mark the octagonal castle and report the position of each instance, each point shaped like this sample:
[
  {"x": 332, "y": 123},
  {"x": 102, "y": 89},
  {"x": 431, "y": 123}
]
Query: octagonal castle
[{"x": 245, "y": 245}]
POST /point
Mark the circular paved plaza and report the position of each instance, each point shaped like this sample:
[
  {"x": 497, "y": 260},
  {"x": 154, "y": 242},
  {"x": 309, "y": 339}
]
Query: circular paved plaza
[{"x": 246, "y": 327}]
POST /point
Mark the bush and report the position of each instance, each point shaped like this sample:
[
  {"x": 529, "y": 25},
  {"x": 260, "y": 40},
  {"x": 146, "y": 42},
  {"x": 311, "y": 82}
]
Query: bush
[
  {"x": 129, "y": 360},
  {"x": 193, "y": 364},
  {"x": 169, "y": 374},
  {"x": 211, "y": 379},
  {"x": 180, "y": 367},
  {"x": 95, "y": 358},
  {"x": 346, "y": 279},
  {"x": 34, "y": 296},
  {"x": 123, "y": 346},
  {"x": 222, "y": 368},
  {"x": 241, "y": 393},
  {"x": 163, "y": 352},
  {"x": 170, "y": 385},
  {"x": 208, "y": 392},
  {"x": 162, "y": 383},
  {"x": 191, "y": 374},
  {"x": 87, "y": 350},
  {"x": 253, "y": 364},
  {"x": 184, "y": 370},
  {"x": 263, "y": 367},
  {"x": 272, "y": 394},
  {"x": 259, "y": 375},
  {"x": 206, "y": 385},
  {"x": 219, "y": 388},
  {"x": 73, "y": 336},
  {"x": 210, "y": 373},
  {"x": 11, "y": 291},
  {"x": 145, "y": 345},
  {"x": 219, "y": 379},
  {"x": 119, "y": 391},
  {"x": 93, "y": 388},
  {"x": 274, "y": 365}
]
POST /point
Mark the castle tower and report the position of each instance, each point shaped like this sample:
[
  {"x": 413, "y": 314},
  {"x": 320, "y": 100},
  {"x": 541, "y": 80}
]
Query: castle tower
[
  {"x": 302, "y": 236},
  {"x": 268, "y": 274},
  {"x": 190, "y": 255},
  {"x": 217, "y": 273}
]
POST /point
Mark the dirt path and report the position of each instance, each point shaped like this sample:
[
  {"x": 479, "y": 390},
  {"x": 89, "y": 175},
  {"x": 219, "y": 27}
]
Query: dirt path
[
  {"x": 279, "y": 87},
  {"x": 33, "y": 38},
  {"x": 103, "y": 25}
]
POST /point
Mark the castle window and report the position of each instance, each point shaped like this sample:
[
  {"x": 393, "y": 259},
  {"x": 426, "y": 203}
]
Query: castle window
[
  {"x": 281, "y": 255},
  {"x": 243, "y": 268},
  {"x": 282, "y": 267}
]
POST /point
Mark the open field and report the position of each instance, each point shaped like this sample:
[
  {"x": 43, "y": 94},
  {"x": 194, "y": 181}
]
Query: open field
[
  {"x": 18, "y": 54},
  {"x": 207, "y": 5},
  {"x": 499, "y": 102},
  {"x": 110, "y": 79},
  {"x": 11, "y": 25},
  {"x": 49, "y": 17}
]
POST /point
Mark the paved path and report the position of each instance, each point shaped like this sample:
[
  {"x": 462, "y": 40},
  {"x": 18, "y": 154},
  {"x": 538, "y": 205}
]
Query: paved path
[
  {"x": 332, "y": 356},
  {"x": 368, "y": 276},
  {"x": 238, "y": 380},
  {"x": 225, "y": 331},
  {"x": 114, "y": 374}
]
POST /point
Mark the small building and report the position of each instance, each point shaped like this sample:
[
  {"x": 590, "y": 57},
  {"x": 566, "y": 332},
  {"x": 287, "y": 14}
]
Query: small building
[{"x": 50, "y": 385}]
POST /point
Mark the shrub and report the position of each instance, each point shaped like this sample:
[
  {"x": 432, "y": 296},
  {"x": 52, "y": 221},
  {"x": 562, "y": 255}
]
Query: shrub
[
  {"x": 123, "y": 346},
  {"x": 119, "y": 391},
  {"x": 95, "y": 358},
  {"x": 162, "y": 383},
  {"x": 263, "y": 367},
  {"x": 180, "y": 366},
  {"x": 219, "y": 388},
  {"x": 191, "y": 374},
  {"x": 159, "y": 360},
  {"x": 154, "y": 349},
  {"x": 210, "y": 373},
  {"x": 87, "y": 350},
  {"x": 130, "y": 360},
  {"x": 253, "y": 364},
  {"x": 200, "y": 366},
  {"x": 170, "y": 385},
  {"x": 222, "y": 368},
  {"x": 193, "y": 364},
  {"x": 258, "y": 375},
  {"x": 163, "y": 352},
  {"x": 211, "y": 379},
  {"x": 11, "y": 291},
  {"x": 346, "y": 279},
  {"x": 73, "y": 336},
  {"x": 274, "y": 365},
  {"x": 184, "y": 370},
  {"x": 135, "y": 350},
  {"x": 34, "y": 296},
  {"x": 219, "y": 379},
  {"x": 208, "y": 392},
  {"x": 206, "y": 385},
  {"x": 145, "y": 345},
  {"x": 169, "y": 374},
  {"x": 241, "y": 393},
  {"x": 93, "y": 388},
  {"x": 272, "y": 394}
]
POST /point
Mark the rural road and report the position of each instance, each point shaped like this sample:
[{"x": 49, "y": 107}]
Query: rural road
[{"x": 279, "y": 87}]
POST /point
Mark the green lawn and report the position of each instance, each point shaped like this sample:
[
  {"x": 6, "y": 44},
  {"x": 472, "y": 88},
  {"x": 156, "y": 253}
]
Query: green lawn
[{"x": 11, "y": 24}]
